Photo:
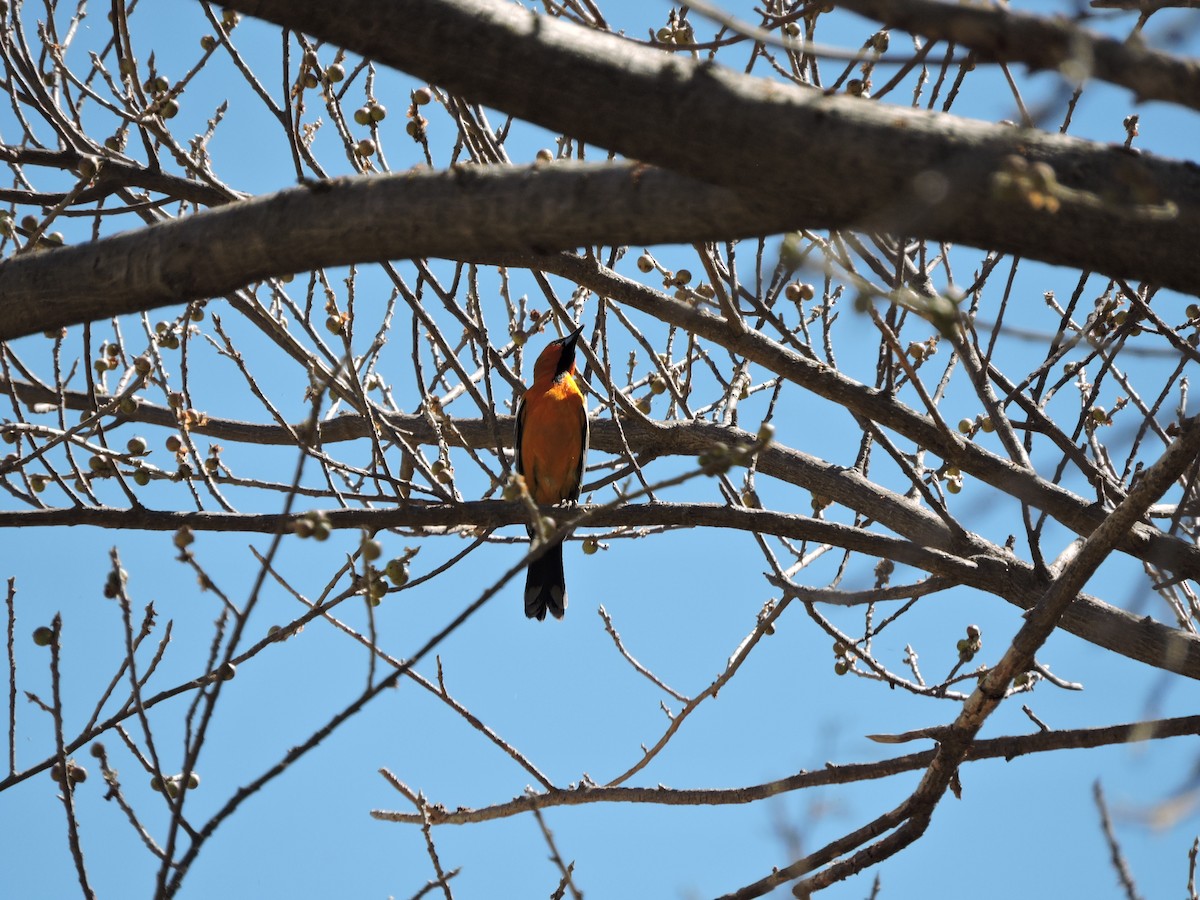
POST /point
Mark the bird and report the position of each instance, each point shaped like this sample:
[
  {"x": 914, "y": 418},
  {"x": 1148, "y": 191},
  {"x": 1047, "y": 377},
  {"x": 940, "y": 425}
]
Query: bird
[{"x": 551, "y": 448}]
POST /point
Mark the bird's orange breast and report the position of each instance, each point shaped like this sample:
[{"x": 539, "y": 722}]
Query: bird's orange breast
[{"x": 552, "y": 440}]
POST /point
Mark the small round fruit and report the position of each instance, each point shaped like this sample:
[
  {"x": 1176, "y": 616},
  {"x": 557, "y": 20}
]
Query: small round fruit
[
  {"x": 173, "y": 443},
  {"x": 376, "y": 591},
  {"x": 43, "y": 636},
  {"x": 371, "y": 550},
  {"x": 397, "y": 572},
  {"x": 645, "y": 263},
  {"x": 422, "y": 96},
  {"x": 590, "y": 546},
  {"x": 87, "y": 166},
  {"x": 335, "y": 73},
  {"x": 137, "y": 446},
  {"x": 141, "y": 477}
]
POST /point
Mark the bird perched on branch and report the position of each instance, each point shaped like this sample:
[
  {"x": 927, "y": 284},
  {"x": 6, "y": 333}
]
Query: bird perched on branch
[{"x": 551, "y": 446}]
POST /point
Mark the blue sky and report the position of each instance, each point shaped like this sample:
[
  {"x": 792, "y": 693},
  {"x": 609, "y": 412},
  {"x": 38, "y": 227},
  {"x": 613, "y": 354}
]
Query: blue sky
[{"x": 559, "y": 692}]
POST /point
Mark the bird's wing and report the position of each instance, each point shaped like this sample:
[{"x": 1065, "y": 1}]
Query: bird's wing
[
  {"x": 520, "y": 431},
  {"x": 583, "y": 451}
]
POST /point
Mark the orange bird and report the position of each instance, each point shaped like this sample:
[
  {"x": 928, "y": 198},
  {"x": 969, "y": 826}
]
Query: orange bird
[{"x": 552, "y": 443}]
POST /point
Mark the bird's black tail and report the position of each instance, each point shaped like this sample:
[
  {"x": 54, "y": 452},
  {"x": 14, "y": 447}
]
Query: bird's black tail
[{"x": 546, "y": 586}]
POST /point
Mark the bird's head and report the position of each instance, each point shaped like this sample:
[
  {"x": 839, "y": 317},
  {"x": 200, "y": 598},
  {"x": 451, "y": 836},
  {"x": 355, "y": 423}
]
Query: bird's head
[{"x": 557, "y": 358}]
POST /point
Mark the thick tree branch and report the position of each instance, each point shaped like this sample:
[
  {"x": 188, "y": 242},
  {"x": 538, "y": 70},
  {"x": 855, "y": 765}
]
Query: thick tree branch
[
  {"x": 870, "y": 157},
  {"x": 991, "y": 570},
  {"x": 880, "y": 167},
  {"x": 1004, "y": 35},
  {"x": 468, "y": 213}
]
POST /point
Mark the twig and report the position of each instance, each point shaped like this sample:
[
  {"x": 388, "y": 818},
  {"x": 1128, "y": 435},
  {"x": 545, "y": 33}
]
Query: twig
[
  {"x": 1114, "y": 846},
  {"x": 1007, "y": 748},
  {"x": 65, "y": 766},
  {"x": 565, "y": 870},
  {"x": 612, "y": 631}
]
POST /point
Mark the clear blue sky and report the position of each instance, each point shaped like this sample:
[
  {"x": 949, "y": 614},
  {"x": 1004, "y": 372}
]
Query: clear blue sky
[{"x": 559, "y": 692}]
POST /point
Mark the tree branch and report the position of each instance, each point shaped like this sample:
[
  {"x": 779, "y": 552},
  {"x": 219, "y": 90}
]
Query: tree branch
[
  {"x": 876, "y": 161},
  {"x": 1042, "y": 42},
  {"x": 1007, "y": 748},
  {"x": 467, "y": 213},
  {"x": 994, "y": 571}
]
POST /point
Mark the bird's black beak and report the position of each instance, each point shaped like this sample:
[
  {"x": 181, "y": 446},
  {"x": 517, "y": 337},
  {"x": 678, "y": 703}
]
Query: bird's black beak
[
  {"x": 566, "y": 359},
  {"x": 570, "y": 339}
]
